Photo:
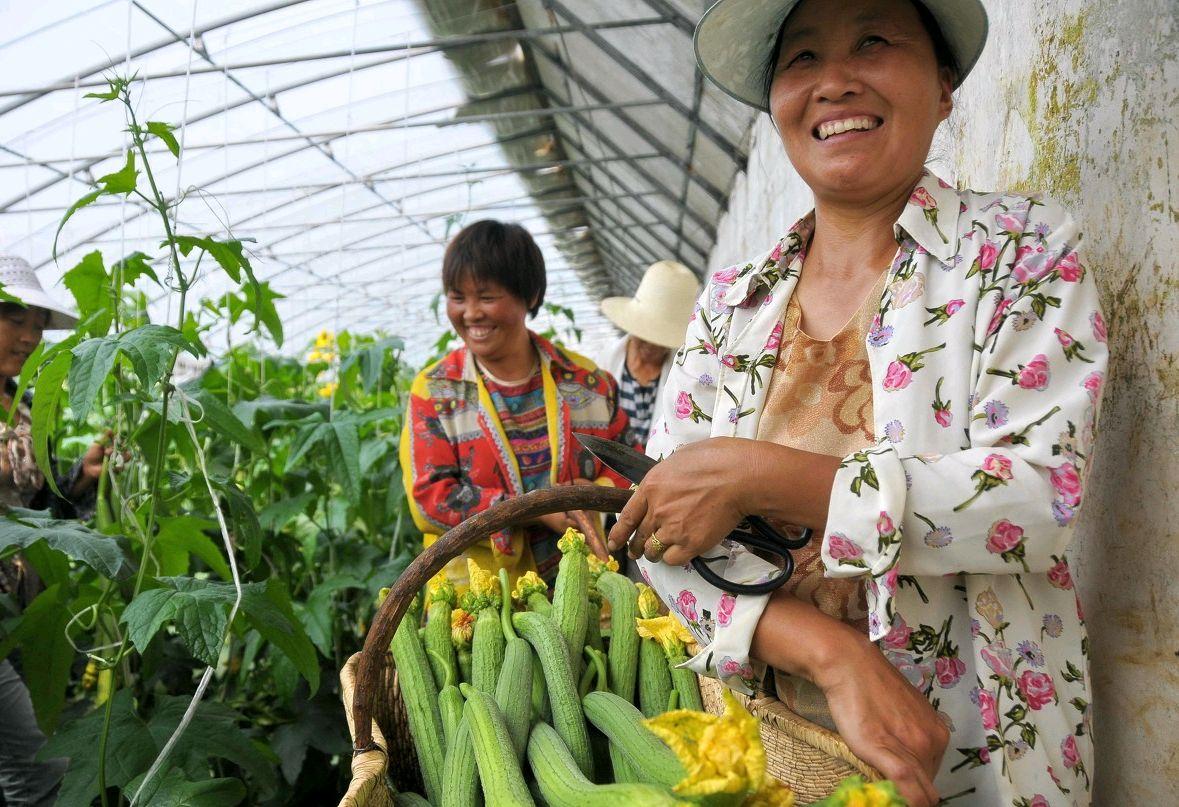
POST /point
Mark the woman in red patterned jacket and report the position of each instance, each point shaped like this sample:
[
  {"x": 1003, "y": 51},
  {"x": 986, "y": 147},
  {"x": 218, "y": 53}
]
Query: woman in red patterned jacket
[{"x": 495, "y": 418}]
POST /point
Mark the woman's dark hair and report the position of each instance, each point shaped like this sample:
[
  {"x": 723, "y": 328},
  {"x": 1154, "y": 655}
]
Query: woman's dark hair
[
  {"x": 941, "y": 48},
  {"x": 8, "y": 310},
  {"x": 494, "y": 252}
]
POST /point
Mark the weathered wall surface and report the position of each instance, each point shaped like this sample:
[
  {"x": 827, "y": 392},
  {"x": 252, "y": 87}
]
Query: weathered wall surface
[{"x": 1079, "y": 99}]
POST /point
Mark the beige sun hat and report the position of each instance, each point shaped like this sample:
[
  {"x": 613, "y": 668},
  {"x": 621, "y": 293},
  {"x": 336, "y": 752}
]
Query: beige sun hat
[
  {"x": 661, "y": 307},
  {"x": 735, "y": 39},
  {"x": 18, "y": 279}
]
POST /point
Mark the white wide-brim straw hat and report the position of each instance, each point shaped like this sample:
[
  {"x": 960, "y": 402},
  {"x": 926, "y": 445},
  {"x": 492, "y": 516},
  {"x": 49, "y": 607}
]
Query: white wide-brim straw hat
[
  {"x": 735, "y": 39},
  {"x": 662, "y": 305},
  {"x": 18, "y": 279}
]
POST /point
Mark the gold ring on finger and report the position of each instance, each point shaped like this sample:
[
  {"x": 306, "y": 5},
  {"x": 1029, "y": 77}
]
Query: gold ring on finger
[{"x": 656, "y": 547}]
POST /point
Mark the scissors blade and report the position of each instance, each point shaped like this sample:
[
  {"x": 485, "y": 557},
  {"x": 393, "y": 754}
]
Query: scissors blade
[{"x": 623, "y": 460}]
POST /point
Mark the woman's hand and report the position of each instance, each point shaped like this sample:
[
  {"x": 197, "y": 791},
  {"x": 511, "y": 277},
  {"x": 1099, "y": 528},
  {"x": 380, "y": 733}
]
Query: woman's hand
[
  {"x": 883, "y": 719},
  {"x": 886, "y": 722},
  {"x": 695, "y": 497},
  {"x": 100, "y": 450},
  {"x": 692, "y": 499},
  {"x": 556, "y": 522}
]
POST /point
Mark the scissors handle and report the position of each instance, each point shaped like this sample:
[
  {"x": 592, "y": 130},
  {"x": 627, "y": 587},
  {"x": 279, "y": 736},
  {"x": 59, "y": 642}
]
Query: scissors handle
[{"x": 768, "y": 540}]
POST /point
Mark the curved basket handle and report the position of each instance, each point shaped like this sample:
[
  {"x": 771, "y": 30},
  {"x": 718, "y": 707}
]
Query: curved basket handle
[{"x": 434, "y": 558}]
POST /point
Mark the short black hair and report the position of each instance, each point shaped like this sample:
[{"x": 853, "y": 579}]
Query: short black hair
[
  {"x": 941, "y": 48},
  {"x": 490, "y": 251}
]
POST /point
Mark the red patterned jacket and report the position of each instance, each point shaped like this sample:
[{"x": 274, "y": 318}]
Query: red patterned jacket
[{"x": 456, "y": 460}]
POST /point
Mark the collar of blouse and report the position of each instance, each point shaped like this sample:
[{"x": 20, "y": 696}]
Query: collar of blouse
[{"x": 928, "y": 218}]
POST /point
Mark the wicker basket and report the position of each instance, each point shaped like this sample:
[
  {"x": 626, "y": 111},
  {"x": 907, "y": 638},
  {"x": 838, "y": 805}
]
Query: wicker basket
[
  {"x": 809, "y": 759},
  {"x": 806, "y": 757}
]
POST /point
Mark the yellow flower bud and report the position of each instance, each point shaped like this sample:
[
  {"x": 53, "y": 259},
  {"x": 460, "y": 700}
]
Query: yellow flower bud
[
  {"x": 528, "y": 584},
  {"x": 597, "y": 565},
  {"x": 328, "y": 389},
  {"x": 572, "y": 541},
  {"x": 649, "y": 603},
  {"x": 440, "y": 589}
]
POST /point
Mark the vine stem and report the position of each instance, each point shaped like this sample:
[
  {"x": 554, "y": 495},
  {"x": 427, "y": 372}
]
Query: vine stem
[{"x": 161, "y": 207}]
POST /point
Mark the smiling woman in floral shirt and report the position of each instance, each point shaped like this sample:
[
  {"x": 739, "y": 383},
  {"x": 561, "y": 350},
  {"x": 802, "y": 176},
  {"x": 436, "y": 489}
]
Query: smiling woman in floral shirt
[{"x": 913, "y": 371}]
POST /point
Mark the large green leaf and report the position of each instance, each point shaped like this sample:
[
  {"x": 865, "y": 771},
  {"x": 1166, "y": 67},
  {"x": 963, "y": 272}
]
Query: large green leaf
[
  {"x": 319, "y": 723},
  {"x": 198, "y": 609},
  {"x": 318, "y": 611},
  {"x": 174, "y": 790},
  {"x": 268, "y": 609},
  {"x": 45, "y": 651},
  {"x": 122, "y": 182},
  {"x": 339, "y": 439},
  {"x": 183, "y": 536},
  {"x": 266, "y": 411},
  {"x": 276, "y": 516},
  {"x": 73, "y": 538},
  {"x": 260, "y": 299},
  {"x": 228, "y": 254},
  {"x": 243, "y": 520},
  {"x": 133, "y": 267},
  {"x": 89, "y": 283},
  {"x": 343, "y": 451},
  {"x": 214, "y": 733},
  {"x": 164, "y": 132},
  {"x": 371, "y": 359},
  {"x": 93, "y": 360},
  {"x": 220, "y": 419},
  {"x": 48, "y": 393},
  {"x": 130, "y": 750},
  {"x": 309, "y": 435},
  {"x": 151, "y": 349}
]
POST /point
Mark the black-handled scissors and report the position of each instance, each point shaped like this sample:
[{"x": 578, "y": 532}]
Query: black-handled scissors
[{"x": 633, "y": 466}]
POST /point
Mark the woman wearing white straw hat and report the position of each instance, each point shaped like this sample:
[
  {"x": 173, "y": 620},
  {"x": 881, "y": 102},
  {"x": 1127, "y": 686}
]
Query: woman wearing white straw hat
[
  {"x": 653, "y": 322},
  {"x": 914, "y": 372},
  {"x": 23, "y": 779}
]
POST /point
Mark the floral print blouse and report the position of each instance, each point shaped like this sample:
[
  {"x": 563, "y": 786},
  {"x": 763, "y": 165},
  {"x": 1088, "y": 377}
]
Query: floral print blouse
[{"x": 988, "y": 354}]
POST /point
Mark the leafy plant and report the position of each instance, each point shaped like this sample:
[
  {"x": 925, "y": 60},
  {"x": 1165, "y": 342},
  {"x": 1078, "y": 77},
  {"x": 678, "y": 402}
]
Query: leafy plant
[{"x": 242, "y": 529}]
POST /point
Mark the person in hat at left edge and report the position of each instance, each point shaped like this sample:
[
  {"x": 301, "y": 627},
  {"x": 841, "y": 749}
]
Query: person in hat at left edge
[
  {"x": 23, "y": 779},
  {"x": 653, "y": 323}
]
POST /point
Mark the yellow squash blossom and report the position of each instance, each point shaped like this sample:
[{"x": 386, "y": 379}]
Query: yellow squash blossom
[
  {"x": 484, "y": 588},
  {"x": 528, "y": 584},
  {"x": 723, "y": 756},
  {"x": 325, "y": 339},
  {"x": 328, "y": 389},
  {"x": 462, "y": 627},
  {"x": 855, "y": 792},
  {"x": 668, "y": 631}
]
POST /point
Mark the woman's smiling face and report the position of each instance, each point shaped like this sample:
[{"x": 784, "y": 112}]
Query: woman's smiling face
[{"x": 856, "y": 95}]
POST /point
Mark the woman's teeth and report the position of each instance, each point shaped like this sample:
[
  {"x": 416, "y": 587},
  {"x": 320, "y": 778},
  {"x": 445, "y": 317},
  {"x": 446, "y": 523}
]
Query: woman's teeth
[
  {"x": 835, "y": 127},
  {"x": 478, "y": 331}
]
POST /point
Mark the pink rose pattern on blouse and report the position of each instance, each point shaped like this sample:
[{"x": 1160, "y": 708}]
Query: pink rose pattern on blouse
[{"x": 988, "y": 353}]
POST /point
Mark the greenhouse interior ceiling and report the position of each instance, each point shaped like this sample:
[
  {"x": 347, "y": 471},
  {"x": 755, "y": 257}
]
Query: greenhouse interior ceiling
[{"x": 344, "y": 142}]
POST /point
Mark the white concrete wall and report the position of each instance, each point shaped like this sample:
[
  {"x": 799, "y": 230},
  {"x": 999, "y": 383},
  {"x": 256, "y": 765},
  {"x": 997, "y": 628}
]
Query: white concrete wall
[{"x": 1079, "y": 98}]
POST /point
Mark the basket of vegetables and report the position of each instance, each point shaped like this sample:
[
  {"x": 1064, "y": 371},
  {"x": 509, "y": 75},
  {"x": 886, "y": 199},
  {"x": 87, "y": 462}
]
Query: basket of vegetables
[{"x": 504, "y": 696}]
